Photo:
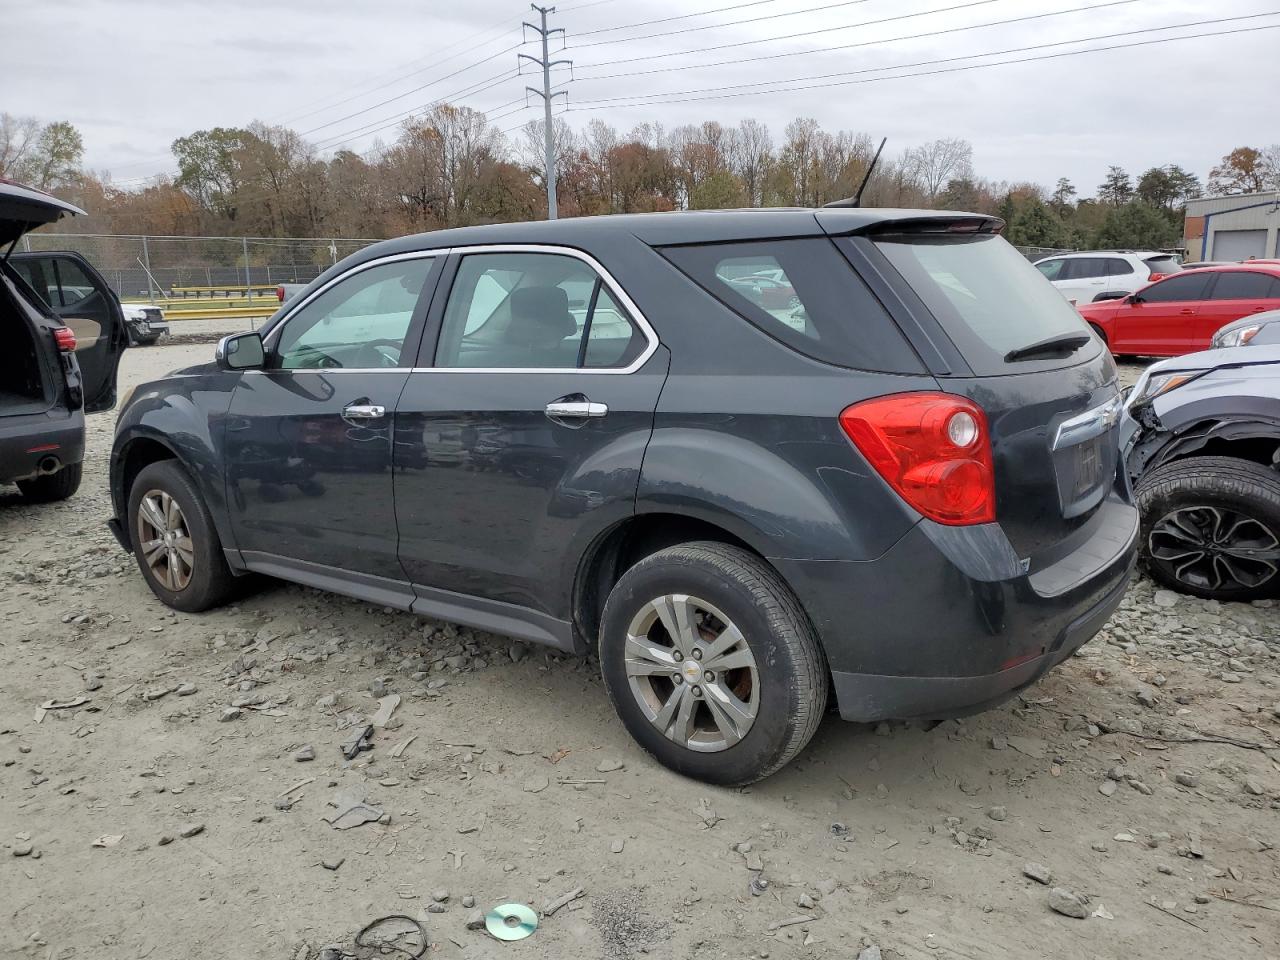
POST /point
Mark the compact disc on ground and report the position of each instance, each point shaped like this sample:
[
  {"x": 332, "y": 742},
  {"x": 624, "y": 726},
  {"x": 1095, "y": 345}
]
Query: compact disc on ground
[{"x": 511, "y": 921}]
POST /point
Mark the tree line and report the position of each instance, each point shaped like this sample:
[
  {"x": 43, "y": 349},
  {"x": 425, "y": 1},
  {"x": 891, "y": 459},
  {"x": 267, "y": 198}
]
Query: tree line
[{"x": 451, "y": 167}]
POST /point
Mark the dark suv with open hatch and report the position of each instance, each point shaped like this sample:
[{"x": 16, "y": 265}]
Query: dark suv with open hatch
[
  {"x": 62, "y": 332},
  {"x": 752, "y": 459}
]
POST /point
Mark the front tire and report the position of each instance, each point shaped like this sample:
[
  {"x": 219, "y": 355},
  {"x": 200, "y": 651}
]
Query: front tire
[
  {"x": 53, "y": 487},
  {"x": 174, "y": 540},
  {"x": 1211, "y": 527},
  {"x": 711, "y": 663}
]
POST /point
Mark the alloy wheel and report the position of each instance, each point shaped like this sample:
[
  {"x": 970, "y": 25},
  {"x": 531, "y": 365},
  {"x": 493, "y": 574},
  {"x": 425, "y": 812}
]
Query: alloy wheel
[
  {"x": 692, "y": 673},
  {"x": 1213, "y": 548},
  {"x": 165, "y": 541}
]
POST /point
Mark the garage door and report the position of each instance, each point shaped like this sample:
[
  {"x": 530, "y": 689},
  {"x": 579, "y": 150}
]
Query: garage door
[{"x": 1238, "y": 244}]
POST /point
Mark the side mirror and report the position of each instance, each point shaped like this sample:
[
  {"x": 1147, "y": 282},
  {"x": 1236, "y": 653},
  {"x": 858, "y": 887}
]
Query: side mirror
[
  {"x": 1133, "y": 298},
  {"x": 240, "y": 351}
]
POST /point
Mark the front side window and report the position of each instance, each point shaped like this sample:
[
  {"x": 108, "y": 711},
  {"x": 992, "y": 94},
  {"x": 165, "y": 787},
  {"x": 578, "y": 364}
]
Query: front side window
[
  {"x": 1185, "y": 286},
  {"x": 1052, "y": 269},
  {"x": 534, "y": 311},
  {"x": 359, "y": 323}
]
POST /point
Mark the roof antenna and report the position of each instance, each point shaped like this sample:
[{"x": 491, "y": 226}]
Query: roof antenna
[{"x": 856, "y": 199}]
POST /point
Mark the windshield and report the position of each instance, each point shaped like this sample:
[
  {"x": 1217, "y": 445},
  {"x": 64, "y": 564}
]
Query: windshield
[{"x": 986, "y": 295}]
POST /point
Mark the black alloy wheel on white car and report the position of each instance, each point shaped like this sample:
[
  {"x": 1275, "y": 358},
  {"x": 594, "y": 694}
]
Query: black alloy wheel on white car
[{"x": 1211, "y": 527}]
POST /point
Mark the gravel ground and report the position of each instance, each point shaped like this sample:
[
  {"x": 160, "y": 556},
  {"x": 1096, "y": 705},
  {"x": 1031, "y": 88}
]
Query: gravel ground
[{"x": 1124, "y": 807}]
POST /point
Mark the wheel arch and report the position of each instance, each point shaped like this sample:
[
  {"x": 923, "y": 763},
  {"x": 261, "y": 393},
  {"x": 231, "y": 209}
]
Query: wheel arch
[
  {"x": 139, "y": 449},
  {"x": 1254, "y": 439},
  {"x": 626, "y": 543}
]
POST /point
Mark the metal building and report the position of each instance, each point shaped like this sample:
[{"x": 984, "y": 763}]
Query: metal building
[{"x": 1233, "y": 228}]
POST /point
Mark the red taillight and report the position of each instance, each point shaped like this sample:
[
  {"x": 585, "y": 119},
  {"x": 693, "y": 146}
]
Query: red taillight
[
  {"x": 280, "y": 294},
  {"x": 1154, "y": 277},
  {"x": 933, "y": 449},
  {"x": 65, "y": 339}
]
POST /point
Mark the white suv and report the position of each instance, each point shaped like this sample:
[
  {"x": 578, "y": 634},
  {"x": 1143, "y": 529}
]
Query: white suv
[{"x": 1105, "y": 274}]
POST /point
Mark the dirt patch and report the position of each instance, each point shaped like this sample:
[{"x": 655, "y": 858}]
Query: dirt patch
[{"x": 1142, "y": 775}]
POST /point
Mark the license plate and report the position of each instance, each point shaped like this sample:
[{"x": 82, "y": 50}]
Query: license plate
[{"x": 1088, "y": 468}]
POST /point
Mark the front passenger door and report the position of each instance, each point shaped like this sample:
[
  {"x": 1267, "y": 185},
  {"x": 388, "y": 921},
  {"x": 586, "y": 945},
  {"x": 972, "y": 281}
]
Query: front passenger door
[{"x": 308, "y": 438}]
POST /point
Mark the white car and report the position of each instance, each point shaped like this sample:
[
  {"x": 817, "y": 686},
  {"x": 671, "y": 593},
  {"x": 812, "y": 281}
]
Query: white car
[
  {"x": 1106, "y": 274},
  {"x": 145, "y": 323}
]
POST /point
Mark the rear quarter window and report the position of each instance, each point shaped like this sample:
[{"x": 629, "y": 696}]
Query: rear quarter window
[{"x": 805, "y": 294}]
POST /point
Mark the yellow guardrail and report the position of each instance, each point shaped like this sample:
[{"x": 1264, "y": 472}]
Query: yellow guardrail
[
  {"x": 213, "y": 309},
  {"x": 238, "y": 289}
]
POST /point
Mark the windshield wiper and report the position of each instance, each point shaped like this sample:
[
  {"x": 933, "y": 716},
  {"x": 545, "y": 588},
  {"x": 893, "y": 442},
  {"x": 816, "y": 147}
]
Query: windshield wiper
[{"x": 1063, "y": 344}]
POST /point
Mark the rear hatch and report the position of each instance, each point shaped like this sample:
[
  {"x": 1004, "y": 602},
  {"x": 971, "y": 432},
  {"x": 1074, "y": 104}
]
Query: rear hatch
[
  {"x": 22, "y": 209},
  {"x": 993, "y": 330}
]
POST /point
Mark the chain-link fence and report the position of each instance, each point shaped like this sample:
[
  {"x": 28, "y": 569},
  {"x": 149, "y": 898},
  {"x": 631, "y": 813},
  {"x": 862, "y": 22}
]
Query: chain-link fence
[
  {"x": 149, "y": 267},
  {"x": 1039, "y": 253}
]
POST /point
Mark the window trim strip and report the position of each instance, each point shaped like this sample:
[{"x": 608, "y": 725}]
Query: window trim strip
[{"x": 650, "y": 335}]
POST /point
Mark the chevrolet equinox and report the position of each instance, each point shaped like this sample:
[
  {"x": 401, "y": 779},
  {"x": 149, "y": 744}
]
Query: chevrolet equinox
[{"x": 752, "y": 459}]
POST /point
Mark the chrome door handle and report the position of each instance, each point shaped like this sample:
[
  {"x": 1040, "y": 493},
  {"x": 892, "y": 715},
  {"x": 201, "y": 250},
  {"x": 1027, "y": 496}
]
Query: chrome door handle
[
  {"x": 363, "y": 411},
  {"x": 575, "y": 409}
]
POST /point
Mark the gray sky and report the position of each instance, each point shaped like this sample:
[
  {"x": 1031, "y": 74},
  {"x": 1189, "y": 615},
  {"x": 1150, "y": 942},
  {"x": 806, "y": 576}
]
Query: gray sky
[{"x": 135, "y": 74}]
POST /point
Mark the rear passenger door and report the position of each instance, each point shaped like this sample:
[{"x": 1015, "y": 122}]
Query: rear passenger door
[
  {"x": 1236, "y": 294},
  {"x": 520, "y": 432},
  {"x": 81, "y": 298}
]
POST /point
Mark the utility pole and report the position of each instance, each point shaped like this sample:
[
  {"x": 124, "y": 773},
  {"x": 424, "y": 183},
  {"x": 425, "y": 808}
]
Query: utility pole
[{"x": 547, "y": 96}]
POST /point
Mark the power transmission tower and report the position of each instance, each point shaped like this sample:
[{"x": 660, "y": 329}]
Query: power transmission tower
[{"x": 547, "y": 96}]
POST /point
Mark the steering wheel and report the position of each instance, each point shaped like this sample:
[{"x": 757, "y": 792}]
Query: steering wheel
[{"x": 377, "y": 353}]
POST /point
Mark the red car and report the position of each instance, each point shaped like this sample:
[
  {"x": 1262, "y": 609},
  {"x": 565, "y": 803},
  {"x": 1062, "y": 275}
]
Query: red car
[{"x": 1181, "y": 313}]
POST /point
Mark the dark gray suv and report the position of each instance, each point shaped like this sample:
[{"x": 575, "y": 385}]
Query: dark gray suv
[{"x": 752, "y": 459}]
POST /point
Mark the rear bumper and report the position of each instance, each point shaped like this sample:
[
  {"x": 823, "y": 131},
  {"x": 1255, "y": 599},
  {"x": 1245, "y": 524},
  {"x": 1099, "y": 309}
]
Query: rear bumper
[
  {"x": 869, "y": 697},
  {"x": 950, "y": 621},
  {"x": 27, "y": 441}
]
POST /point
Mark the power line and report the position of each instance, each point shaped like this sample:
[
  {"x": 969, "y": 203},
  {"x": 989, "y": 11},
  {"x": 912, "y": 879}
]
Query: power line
[
  {"x": 401, "y": 96},
  {"x": 792, "y": 36},
  {"x": 731, "y": 23},
  {"x": 700, "y": 65},
  {"x": 436, "y": 62},
  {"x": 683, "y": 16},
  {"x": 384, "y": 123},
  {"x": 679, "y": 96},
  {"x": 281, "y": 116}
]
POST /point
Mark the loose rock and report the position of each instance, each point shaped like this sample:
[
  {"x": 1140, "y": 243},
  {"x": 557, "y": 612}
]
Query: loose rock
[{"x": 1067, "y": 903}]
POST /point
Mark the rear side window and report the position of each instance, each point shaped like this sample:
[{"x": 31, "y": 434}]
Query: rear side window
[
  {"x": 1086, "y": 268},
  {"x": 984, "y": 293},
  {"x": 1118, "y": 268},
  {"x": 1190, "y": 285},
  {"x": 1243, "y": 285},
  {"x": 804, "y": 293}
]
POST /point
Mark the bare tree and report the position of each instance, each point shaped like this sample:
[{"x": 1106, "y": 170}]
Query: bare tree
[
  {"x": 932, "y": 164},
  {"x": 18, "y": 136},
  {"x": 750, "y": 158}
]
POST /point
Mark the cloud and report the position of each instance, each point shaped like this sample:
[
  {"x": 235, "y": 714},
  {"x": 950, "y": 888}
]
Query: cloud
[{"x": 136, "y": 75}]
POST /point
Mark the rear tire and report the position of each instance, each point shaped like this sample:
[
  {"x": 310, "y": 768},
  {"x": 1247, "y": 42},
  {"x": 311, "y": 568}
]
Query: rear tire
[
  {"x": 1211, "y": 527},
  {"x": 53, "y": 486},
  {"x": 190, "y": 573},
  {"x": 753, "y": 704}
]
